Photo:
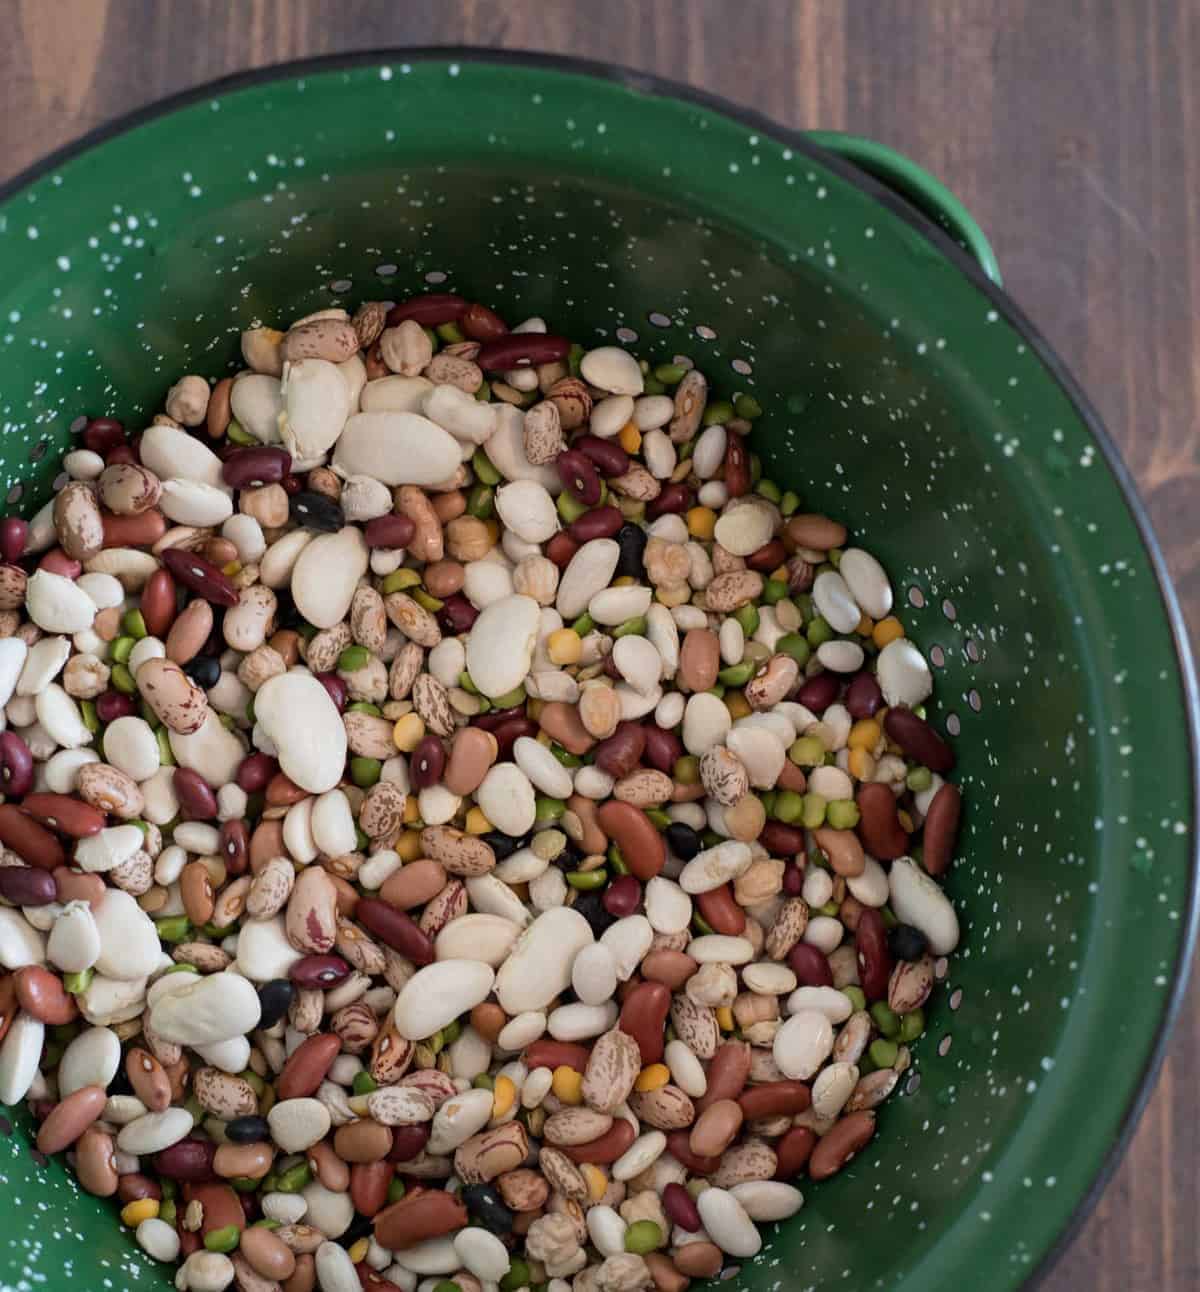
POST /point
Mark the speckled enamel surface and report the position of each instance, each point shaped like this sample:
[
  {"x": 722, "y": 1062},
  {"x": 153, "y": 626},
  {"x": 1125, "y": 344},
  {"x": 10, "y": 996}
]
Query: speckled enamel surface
[{"x": 899, "y": 397}]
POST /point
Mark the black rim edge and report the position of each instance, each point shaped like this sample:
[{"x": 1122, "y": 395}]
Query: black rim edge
[{"x": 661, "y": 87}]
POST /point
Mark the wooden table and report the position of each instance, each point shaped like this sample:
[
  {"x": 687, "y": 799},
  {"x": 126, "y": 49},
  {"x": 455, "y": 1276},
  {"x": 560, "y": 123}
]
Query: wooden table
[{"x": 1063, "y": 126}]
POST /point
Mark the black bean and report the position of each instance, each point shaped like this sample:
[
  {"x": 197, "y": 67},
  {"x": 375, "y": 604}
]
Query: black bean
[
  {"x": 274, "y": 997},
  {"x": 248, "y": 1130},
  {"x": 906, "y": 943},
  {"x": 591, "y": 906},
  {"x": 683, "y": 841},
  {"x": 631, "y": 539},
  {"x": 204, "y": 670},
  {"x": 485, "y": 1208},
  {"x": 316, "y": 511},
  {"x": 504, "y": 845}
]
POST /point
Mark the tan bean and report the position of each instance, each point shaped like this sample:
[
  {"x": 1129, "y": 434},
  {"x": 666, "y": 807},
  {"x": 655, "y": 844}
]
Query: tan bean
[
  {"x": 699, "y": 660},
  {"x": 189, "y": 632},
  {"x": 472, "y": 754},
  {"x": 426, "y": 543},
  {"x": 698, "y": 1260},
  {"x": 842, "y": 849},
  {"x": 589, "y": 835},
  {"x": 69, "y": 1118},
  {"x": 561, "y": 722},
  {"x": 814, "y": 531},
  {"x": 848, "y": 1137},
  {"x": 414, "y": 884},
  {"x": 95, "y": 1163},
  {"x": 328, "y": 1167},
  {"x": 243, "y": 1161},
  {"x": 364, "y": 1140},
  {"x": 266, "y": 1254},
  {"x": 196, "y": 892},
  {"x": 304, "y": 1278}
]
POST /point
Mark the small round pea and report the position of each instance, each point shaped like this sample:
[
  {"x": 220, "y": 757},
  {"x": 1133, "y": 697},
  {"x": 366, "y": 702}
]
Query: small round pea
[
  {"x": 789, "y": 806},
  {"x": 830, "y": 908},
  {"x": 842, "y": 814},
  {"x": 886, "y": 1019},
  {"x": 224, "y": 1239},
  {"x": 747, "y": 406},
  {"x": 363, "y": 1083},
  {"x": 807, "y": 751},
  {"x": 912, "y": 1024},
  {"x": 642, "y": 1236},
  {"x": 122, "y": 679},
  {"x": 670, "y": 374},
  {"x": 687, "y": 770},
  {"x": 883, "y": 1052},
  {"x": 396, "y": 1190},
  {"x": 660, "y": 819},
  {"x": 769, "y": 490},
  {"x": 365, "y": 772},
  {"x": 789, "y": 502},
  {"x": 920, "y": 778},
  {"x": 635, "y": 627},
  {"x": 587, "y": 880},
  {"x": 718, "y": 413},
  {"x": 652, "y": 386},
  {"x": 768, "y": 798},
  {"x": 737, "y": 674},
  {"x": 774, "y": 591},
  {"x": 796, "y": 646},
  {"x": 814, "y": 811},
  {"x": 518, "y": 1276},
  {"x": 133, "y": 623},
  {"x": 855, "y": 996},
  {"x": 352, "y": 659},
  {"x": 565, "y": 758},
  {"x": 818, "y": 632}
]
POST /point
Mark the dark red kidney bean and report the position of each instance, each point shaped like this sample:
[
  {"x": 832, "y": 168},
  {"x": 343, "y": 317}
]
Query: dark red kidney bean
[
  {"x": 737, "y": 466},
  {"x": 122, "y": 455},
  {"x": 396, "y": 929},
  {"x": 622, "y": 751},
  {"x": 875, "y": 962},
  {"x": 254, "y": 771},
  {"x": 389, "y": 531},
  {"x": 56, "y": 561},
  {"x": 793, "y": 1151},
  {"x": 194, "y": 794},
  {"x": 430, "y": 309},
  {"x": 768, "y": 557},
  {"x": 675, "y": 498},
  {"x": 663, "y": 748},
  {"x": 427, "y": 763},
  {"x": 918, "y": 739},
  {"x": 774, "y": 1098},
  {"x": 681, "y": 1208},
  {"x": 190, "y": 1159},
  {"x": 557, "y": 1054},
  {"x": 719, "y": 910},
  {"x": 16, "y": 765},
  {"x": 600, "y": 522},
  {"x": 579, "y": 476},
  {"x": 248, "y": 468},
  {"x": 680, "y": 1148},
  {"x": 457, "y": 614},
  {"x": 508, "y": 733},
  {"x": 102, "y": 434},
  {"x": 622, "y": 897},
  {"x": 521, "y": 350},
  {"x": 863, "y": 696},
  {"x": 111, "y": 705},
  {"x": 793, "y": 881},
  {"x": 14, "y": 534},
  {"x": 819, "y": 692},
  {"x": 782, "y": 840},
  {"x": 497, "y": 718},
  {"x": 133, "y": 1187},
  {"x": 234, "y": 846},
  {"x": 318, "y": 973},
  {"x": 810, "y": 966},
  {"x": 482, "y": 324},
  {"x": 609, "y": 457},
  {"x": 879, "y": 828},
  {"x": 561, "y": 548},
  {"x": 336, "y": 688},
  {"x": 200, "y": 577},
  {"x": 69, "y": 816},
  {"x": 941, "y": 829},
  {"x": 28, "y": 886},
  {"x": 157, "y": 603},
  {"x": 408, "y": 1141}
]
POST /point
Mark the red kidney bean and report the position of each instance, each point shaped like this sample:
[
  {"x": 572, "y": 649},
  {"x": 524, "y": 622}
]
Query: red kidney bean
[
  {"x": 718, "y": 908},
  {"x": 318, "y": 973},
  {"x": 337, "y": 689},
  {"x": 370, "y": 1280},
  {"x": 408, "y": 1141},
  {"x": 879, "y": 825},
  {"x": 123, "y": 454},
  {"x": 875, "y": 962},
  {"x": 234, "y": 846},
  {"x": 190, "y": 1159},
  {"x": 918, "y": 739},
  {"x": 622, "y": 897},
  {"x": 521, "y": 350},
  {"x": 663, "y": 748},
  {"x": 608, "y": 455},
  {"x": 793, "y": 1151},
  {"x": 941, "y": 829},
  {"x": 600, "y": 522},
  {"x": 430, "y": 309},
  {"x": 200, "y": 577},
  {"x": 56, "y": 561},
  {"x": 819, "y": 692},
  {"x": 556, "y": 1054},
  {"x": 482, "y": 324},
  {"x": 728, "y": 1072},
  {"x": 644, "y": 1015},
  {"x": 680, "y": 1148},
  {"x": 390, "y": 531},
  {"x": 32, "y": 842},
  {"x": 27, "y": 886},
  {"x": 368, "y": 1191},
  {"x": 158, "y": 603},
  {"x": 675, "y": 498},
  {"x": 561, "y": 548},
  {"x": 16, "y": 765},
  {"x": 194, "y": 794},
  {"x": 251, "y": 467},
  {"x": 65, "y": 814},
  {"x": 396, "y": 929},
  {"x": 605, "y": 1148},
  {"x": 497, "y": 718},
  {"x": 307, "y": 1066},
  {"x": 782, "y": 840},
  {"x": 579, "y": 476},
  {"x": 427, "y": 762},
  {"x": 14, "y": 534},
  {"x": 457, "y": 614},
  {"x": 254, "y": 771},
  {"x": 111, "y": 705},
  {"x": 622, "y": 751},
  {"x": 681, "y": 1208},
  {"x": 508, "y": 733},
  {"x": 810, "y": 966},
  {"x": 863, "y": 696},
  {"x": 774, "y": 1099},
  {"x": 793, "y": 880},
  {"x": 737, "y": 466},
  {"x": 102, "y": 434},
  {"x": 837, "y": 1147},
  {"x": 767, "y": 557}
]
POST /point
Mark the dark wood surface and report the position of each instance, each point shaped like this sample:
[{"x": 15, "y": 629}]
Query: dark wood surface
[{"x": 1071, "y": 129}]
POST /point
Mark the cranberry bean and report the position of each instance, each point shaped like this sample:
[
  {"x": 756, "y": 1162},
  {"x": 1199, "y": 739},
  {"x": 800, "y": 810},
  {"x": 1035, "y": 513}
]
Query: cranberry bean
[
  {"x": 679, "y": 1147},
  {"x": 319, "y": 973},
  {"x": 819, "y": 692},
  {"x": 719, "y": 909},
  {"x": 252, "y": 467},
  {"x": 632, "y": 830},
  {"x": 56, "y": 561},
  {"x": 189, "y": 1160},
  {"x": 768, "y": 557},
  {"x": 393, "y": 531},
  {"x": 67, "y": 815},
  {"x": 600, "y": 522},
  {"x": 863, "y": 696},
  {"x": 663, "y": 748},
  {"x": 810, "y": 966},
  {"x": 561, "y": 548},
  {"x": 728, "y": 1072},
  {"x": 199, "y": 576},
  {"x": 427, "y": 763},
  {"x": 556, "y": 1054},
  {"x": 14, "y": 534},
  {"x": 579, "y": 476},
  {"x": 847, "y": 1138},
  {"x": 194, "y": 794},
  {"x": 481, "y": 323},
  {"x": 16, "y": 765},
  {"x": 457, "y": 614},
  {"x": 605, "y": 1148},
  {"x": 608, "y": 455},
  {"x": 671, "y": 968},
  {"x": 875, "y": 962},
  {"x": 675, "y": 498},
  {"x": 430, "y": 310},
  {"x": 142, "y": 530},
  {"x": 879, "y": 825},
  {"x": 622, "y": 751},
  {"x": 644, "y": 1015},
  {"x": 918, "y": 739},
  {"x": 775, "y": 1099},
  {"x": 102, "y": 434},
  {"x": 254, "y": 771},
  {"x": 622, "y": 897},
  {"x": 41, "y": 993},
  {"x": 782, "y": 840},
  {"x": 521, "y": 350},
  {"x": 27, "y": 886},
  {"x": 681, "y": 1208},
  {"x": 307, "y": 1066},
  {"x": 396, "y": 929},
  {"x": 337, "y": 689},
  {"x": 941, "y": 829},
  {"x": 408, "y": 1142},
  {"x": 793, "y": 1151},
  {"x": 737, "y": 467}
]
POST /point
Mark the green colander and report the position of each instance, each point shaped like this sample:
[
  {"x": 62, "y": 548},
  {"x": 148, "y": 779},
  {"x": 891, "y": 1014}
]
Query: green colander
[{"x": 904, "y": 392}]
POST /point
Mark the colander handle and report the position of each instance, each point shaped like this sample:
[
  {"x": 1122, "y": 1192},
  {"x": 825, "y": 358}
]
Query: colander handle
[{"x": 929, "y": 195}]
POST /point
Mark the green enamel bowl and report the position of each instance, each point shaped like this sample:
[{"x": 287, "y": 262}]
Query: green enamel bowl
[{"x": 904, "y": 392}]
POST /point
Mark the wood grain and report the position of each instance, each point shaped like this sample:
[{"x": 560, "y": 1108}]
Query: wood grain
[{"x": 1065, "y": 129}]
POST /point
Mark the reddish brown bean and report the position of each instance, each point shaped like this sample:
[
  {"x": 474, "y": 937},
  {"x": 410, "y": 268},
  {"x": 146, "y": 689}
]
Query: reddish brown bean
[
  {"x": 716, "y": 1128},
  {"x": 848, "y": 1137},
  {"x": 810, "y": 966},
  {"x": 863, "y": 696},
  {"x": 189, "y": 1160},
  {"x": 521, "y": 350},
  {"x": 875, "y": 962},
  {"x": 430, "y": 309},
  {"x": 255, "y": 771},
  {"x": 782, "y": 840},
  {"x": 674, "y": 498},
  {"x": 27, "y": 885},
  {"x": 561, "y": 548},
  {"x": 608, "y": 455},
  {"x": 699, "y": 660},
  {"x": 148, "y": 1078},
  {"x": 307, "y": 1066},
  {"x": 918, "y": 739},
  {"x": 605, "y": 1148},
  {"x": 413, "y": 884},
  {"x": 56, "y": 561},
  {"x": 641, "y": 845},
  {"x": 728, "y": 1072},
  {"x": 737, "y": 467},
  {"x": 775, "y": 1099},
  {"x": 42, "y": 994},
  {"x": 75, "y": 886},
  {"x": 671, "y": 968},
  {"x": 369, "y": 1183},
  {"x": 393, "y": 531},
  {"x": 481, "y": 323},
  {"x": 679, "y": 1146},
  {"x": 396, "y": 929},
  {"x": 879, "y": 825},
  {"x": 158, "y": 603},
  {"x": 407, "y": 1142},
  {"x": 134, "y": 1186},
  {"x": 8, "y": 1004},
  {"x": 70, "y": 1118},
  {"x": 14, "y": 534},
  {"x": 622, "y": 751},
  {"x": 719, "y": 909},
  {"x": 142, "y": 530},
  {"x": 599, "y": 522},
  {"x": 221, "y": 1206},
  {"x": 418, "y": 1216},
  {"x": 250, "y": 468},
  {"x": 768, "y": 557},
  {"x": 819, "y": 692},
  {"x": 643, "y": 1016},
  {"x": 698, "y": 1260},
  {"x": 793, "y": 1150},
  {"x": 941, "y": 829},
  {"x": 663, "y": 748},
  {"x": 665, "y": 1276},
  {"x": 427, "y": 763},
  {"x": 200, "y": 577},
  {"x": 545, "y": 1053},
  {"x": 65, "y": 814}
]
